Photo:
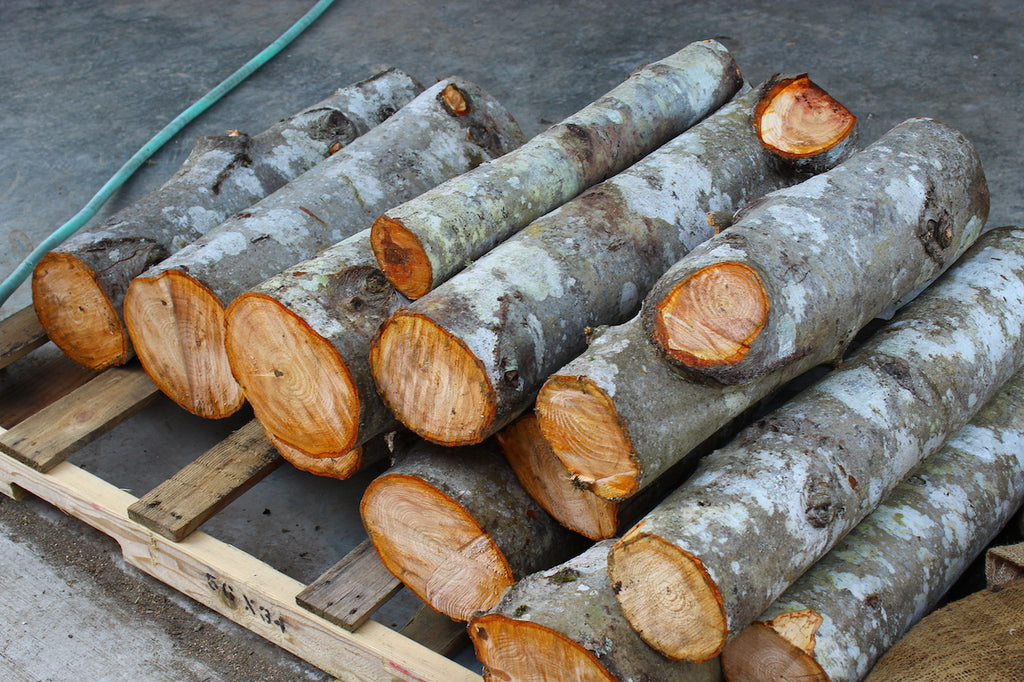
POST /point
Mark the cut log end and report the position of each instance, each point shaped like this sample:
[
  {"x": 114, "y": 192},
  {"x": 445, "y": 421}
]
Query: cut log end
[
  {"x": 668, "y": 597},
  {"x": 433, "y": 545},
  {"x": 177, "y": 327},
  {"x": 547, "y": 481},
  {"x": 431, "y": 381},
  {"x": 76, "y": 313},
  {"x": 299, "y": 387},
  {"x": 580, "y": 423},
  {"x": 513, "y": 649},
  {"x": 712, "y": 316},
  {"x": 797, "y": 119},
  {"x": 337, "y": 466},
  {"x": 401, "y": 257},
  {"x": 760, "y": 653}
]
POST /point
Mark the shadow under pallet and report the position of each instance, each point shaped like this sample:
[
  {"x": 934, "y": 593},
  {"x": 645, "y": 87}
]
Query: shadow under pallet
[{"x": 327, "y": 621}]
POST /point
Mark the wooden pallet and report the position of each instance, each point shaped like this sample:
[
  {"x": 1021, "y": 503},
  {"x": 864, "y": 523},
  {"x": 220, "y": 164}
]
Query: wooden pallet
[{"x": 327, "y": 623}]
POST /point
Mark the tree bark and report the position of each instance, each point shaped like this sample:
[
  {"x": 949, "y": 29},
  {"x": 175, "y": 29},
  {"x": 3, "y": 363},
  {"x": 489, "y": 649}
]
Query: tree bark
[
  {"x": 898, "y": 562},
  {"x": 611, "y": 415},
  {"x": 298, "y": 344},
  {"x": 456, "y": 527},
  {"x": 760, "y": 511},
  {"x": 423, "y": 242},
  {"x": 78, "y": 289},
  {"x": 791, "y": 277},
  {"x": 565, "y": 619},
  {"x": 175, "y": 310},
  {"x": 462, "y": 362}
]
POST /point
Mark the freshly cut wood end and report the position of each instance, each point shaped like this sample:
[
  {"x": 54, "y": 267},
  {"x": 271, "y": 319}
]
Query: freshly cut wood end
[
  {"x": 401, "y": 257},
  {"x": 433, "y": 545},
  {"x": 519, "y": 650},
  {"x": 712, "y": 316},
  {"x": 799, "y": 628},
  {"x": 580, "y": 424},
  {"x": 455, "y": 101},
  {"x": 299, "y": 387},
  {"x": 797, "y": 119},
  {"x": 761, "y": 654},
  {"x": 337, "y": 466},
  {"x": 668, "y": 597},
  {"x": 548, "y": 482},
  {"x": 76, "y": 313},
  {"x": 177, "y": 327},
  {"x": 431, "y": 381}
]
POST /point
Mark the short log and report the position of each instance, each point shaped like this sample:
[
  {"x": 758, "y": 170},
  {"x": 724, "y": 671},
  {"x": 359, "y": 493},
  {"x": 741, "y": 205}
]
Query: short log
[
  {"x": 463, "y": 361},
  {"x": 423, "y": 242},
  {"x": 762, "y": 510},
  {"x": 456, "y": 527},
  {"x": 78, "y": 289},
  {"x": 857, "y": 601},
  {"x": 175, "y": 310}
]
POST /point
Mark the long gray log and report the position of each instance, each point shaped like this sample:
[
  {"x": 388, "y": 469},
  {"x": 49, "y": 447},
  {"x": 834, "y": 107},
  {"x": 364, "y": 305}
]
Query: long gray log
[
  {"x": 427, "y": 240},
  {"x": 893, "y": 568},
  {"x": 78, "y": 289},
  {"x": 463, "y": 361},
  {"x": 612, "y": 415},
  {"x": 762, "y": 510},
  {"x": 175, "y": 310}
]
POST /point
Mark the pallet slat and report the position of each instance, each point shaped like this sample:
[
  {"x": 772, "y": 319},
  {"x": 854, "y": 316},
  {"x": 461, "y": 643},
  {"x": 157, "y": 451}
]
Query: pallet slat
[
  {"x": 181, "y": 504},
  {"x": 21, "y": 335}
]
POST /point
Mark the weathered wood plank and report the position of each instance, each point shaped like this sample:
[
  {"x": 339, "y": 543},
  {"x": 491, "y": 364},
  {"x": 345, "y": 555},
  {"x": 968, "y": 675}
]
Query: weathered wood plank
[
  {"x": 51, "y": 381},
  {"x": 20, "y": 334},
  {"x": 188, "y": 499}
]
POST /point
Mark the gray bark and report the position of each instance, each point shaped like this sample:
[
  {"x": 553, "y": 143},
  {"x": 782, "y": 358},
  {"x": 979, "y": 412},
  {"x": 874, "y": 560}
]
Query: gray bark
[
  {"x": 760, "y": 511},
  {"x": 898, "y": 562},
  {"x": 836, "y": 250},
  {"x": 223, "y": 174},
  {"x": 466, "y": 217}
]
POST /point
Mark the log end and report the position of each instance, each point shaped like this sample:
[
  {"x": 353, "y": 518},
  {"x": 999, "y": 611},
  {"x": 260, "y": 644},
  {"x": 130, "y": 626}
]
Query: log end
[
  {"x": 548, "y": 482},
  {"x": 668, "y": 597},
  {"x": 760, "y": 653},
  {"x": 177, "y": 327},
  {"x": 340, "y": 466},
  {"x": 431, "y": 381},
  {"x": 401, "y": 257},
  {"x": 298, "y": 385},
  {"x": 76, "y": 312},
  {"x": 581, "y": 425},
  {"x": 432, "y": 544},
  {"x": 712, "y": 316},
  {"x": 797, "y": 119},
  {"x": 513, "y": 649}
]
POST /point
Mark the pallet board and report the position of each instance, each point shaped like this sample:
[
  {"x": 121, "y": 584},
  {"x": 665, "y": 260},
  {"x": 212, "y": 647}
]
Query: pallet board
[{"x": 326, "y": 623}]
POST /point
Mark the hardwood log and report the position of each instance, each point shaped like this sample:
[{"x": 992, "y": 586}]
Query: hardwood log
[
  {"x": 460, "y": 363},
  {"x": 78, "y": 289},
  {"x": 423, "y": 242},
  {"x": 564, "y": 623},
  {"x": 611, "y": 415},
  {"x": 789, "y": 277},
  {"x": 760, "y": 511},
  {"x": 298, "y": 344},
  {"x": 175, "y": 310},
  {"x": 456, "y": 527},
  {"x": 888, "y": 572}
]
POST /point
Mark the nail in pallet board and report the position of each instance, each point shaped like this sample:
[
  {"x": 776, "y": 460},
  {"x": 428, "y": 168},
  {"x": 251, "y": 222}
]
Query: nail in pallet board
[{"x": 327, "y": 622}]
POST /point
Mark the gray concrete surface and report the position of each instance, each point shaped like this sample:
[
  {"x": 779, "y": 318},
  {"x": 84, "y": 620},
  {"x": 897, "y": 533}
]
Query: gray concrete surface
[{"x": 84, "y": 83}]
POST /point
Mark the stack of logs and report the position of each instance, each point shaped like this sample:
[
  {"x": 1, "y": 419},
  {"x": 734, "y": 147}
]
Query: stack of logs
[{"x": 564, "y": 342}]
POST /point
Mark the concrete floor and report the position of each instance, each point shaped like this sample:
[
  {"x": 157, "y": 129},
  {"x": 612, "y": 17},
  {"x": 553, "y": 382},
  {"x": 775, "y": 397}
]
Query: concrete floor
[{"x": 85, "y": 83}]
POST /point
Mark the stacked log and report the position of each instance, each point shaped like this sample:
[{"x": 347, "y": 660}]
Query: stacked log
[
  {"x": 175, "y": 311},
  {"x": 759, "y": 512},
  {"x": 786, "y": 287},
  {"x": 423, "y": 242},
  {"x": 78, "y": 289},
  {"x": 456, "y": 527},
  {"x": 463, "y": 361},
  {"x": 845, "y": 612}
]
